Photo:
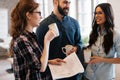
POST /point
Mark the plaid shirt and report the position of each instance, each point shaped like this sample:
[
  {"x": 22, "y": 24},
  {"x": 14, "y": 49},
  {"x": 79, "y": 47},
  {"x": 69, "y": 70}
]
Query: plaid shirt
[{"x": 26, "y": 56}]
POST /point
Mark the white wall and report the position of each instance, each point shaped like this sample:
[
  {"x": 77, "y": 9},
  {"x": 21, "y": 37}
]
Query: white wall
[
  {"x": 115, "y": 5},
  {"x": 72, "y": 11},
  {"x": 3, "y": 23}
]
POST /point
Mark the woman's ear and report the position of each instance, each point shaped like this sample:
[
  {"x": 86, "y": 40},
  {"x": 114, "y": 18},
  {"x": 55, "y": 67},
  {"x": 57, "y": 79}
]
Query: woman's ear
[{"x": 28, "y": 15}]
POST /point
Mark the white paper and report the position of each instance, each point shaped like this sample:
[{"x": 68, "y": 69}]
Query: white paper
[{"x": 72, "y": 67}]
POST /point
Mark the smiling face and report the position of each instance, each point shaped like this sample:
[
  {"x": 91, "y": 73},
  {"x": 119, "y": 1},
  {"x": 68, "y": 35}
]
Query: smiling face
[
  {"x": 100, "y": 16},
  {"x": 63, "y": 7}
]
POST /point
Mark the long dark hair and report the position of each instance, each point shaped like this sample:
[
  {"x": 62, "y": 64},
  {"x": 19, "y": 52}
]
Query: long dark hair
[
  {"x": 19, "y": 19},
  {"x": 108, "y": 25}
]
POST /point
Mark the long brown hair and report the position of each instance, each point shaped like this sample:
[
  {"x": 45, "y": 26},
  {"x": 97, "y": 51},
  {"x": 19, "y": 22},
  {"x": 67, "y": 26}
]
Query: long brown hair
[
  {"x": 108, "y": 25},
  {"x": 18, "y": 18}
]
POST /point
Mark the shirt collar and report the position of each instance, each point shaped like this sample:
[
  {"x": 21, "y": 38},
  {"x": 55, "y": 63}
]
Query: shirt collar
[
  {"x": 29, "y": 33},
  {"x": 53, "y": 15},
  {"x": 103, "y": 31}
]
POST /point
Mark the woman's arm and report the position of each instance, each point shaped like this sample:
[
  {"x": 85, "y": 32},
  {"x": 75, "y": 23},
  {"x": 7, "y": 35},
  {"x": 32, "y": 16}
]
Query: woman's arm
[
  {"x": 44, "y": 58},
  {"x": 97, "y": 59}
]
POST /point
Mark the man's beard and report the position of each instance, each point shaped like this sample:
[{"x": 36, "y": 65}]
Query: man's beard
[{"x": 61, "y": 11}]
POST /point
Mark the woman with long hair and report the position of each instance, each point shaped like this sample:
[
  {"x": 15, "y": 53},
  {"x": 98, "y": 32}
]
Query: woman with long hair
[
  {"x": 29, "y": 59},
  {"x": 104, "y": 43}
]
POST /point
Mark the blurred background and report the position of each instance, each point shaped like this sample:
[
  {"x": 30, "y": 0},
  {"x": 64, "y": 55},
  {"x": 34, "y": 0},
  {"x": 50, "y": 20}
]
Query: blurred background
[{"x": 82, "y": 10}]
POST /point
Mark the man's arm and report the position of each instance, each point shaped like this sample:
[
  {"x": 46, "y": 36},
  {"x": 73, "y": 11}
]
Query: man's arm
[
  {"x": 78, "y": 40},
  {"x": 40, "y": 32}
]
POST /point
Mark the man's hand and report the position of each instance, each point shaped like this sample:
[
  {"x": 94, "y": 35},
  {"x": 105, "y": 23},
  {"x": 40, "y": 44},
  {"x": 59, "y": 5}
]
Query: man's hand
[{"x": 74, "y": 49}]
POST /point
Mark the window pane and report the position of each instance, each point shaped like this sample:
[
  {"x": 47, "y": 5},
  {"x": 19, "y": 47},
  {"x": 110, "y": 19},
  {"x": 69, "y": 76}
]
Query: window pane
[
  {"x": 85, "y": 15},
  {"x": 84, "y": 19}
]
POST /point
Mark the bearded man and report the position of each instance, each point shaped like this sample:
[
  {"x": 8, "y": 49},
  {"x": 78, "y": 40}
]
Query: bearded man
[{"x": 69, "y": 33}]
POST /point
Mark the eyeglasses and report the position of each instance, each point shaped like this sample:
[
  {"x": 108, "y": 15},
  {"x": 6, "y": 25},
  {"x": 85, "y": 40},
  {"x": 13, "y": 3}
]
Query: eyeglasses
[
  {"x": 37, "y": 12},
  {"x": 99, "y": 13}
]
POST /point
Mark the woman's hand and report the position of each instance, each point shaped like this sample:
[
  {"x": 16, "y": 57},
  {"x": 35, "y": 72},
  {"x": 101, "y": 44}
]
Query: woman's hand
[
  {"x": 56, "y": 61},
  {"x": 96, "y": 59},
  {"x": 49, "y": 36}
]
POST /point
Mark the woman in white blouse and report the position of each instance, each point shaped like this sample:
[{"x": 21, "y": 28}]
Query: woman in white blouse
[{"x": 104, "y": 43}]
